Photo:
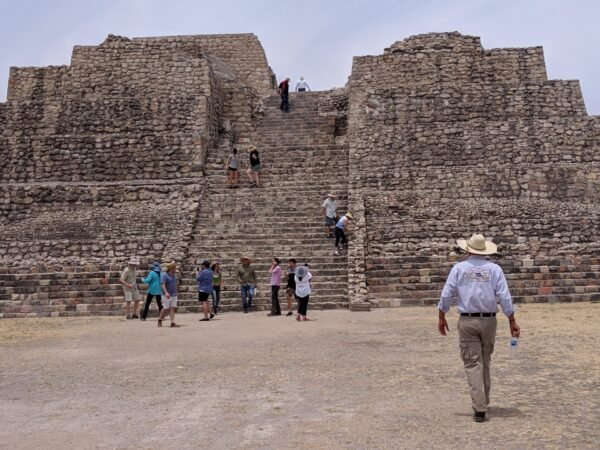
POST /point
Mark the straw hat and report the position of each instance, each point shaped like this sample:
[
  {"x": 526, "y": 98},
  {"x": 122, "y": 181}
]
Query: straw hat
[
  {"x": 171, "y": 265},
  {"x": 251, "y": 148},
  {"x": 349, "y": 215},
  {"x": 331, "y": 195},
  {"x": 134, "y": 261},
  {"x": 477, "y": 245},
  {"x": 245, "y": 258}
]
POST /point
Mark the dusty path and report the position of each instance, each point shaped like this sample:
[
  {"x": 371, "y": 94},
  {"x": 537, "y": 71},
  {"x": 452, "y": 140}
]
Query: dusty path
[{"x": 383, "y": 379}]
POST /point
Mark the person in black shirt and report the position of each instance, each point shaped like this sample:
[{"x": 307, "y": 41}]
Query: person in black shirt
[
  {"x": 284, "y": 92},
  {"x": 290, "y": 289},
  {"x": 255, "y": 167}
]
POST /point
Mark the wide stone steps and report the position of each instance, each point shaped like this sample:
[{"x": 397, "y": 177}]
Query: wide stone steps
[{"x": 283, "y": 218}]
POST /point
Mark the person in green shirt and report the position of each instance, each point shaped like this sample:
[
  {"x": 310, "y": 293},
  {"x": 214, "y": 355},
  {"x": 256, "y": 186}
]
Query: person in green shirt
[{"x": 247, "y": 280}]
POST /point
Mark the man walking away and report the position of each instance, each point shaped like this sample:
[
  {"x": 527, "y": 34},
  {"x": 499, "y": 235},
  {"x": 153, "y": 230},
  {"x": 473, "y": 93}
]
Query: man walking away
[
  {"x": 204, "y": 278},
  {"x": 477, "y": 283}
]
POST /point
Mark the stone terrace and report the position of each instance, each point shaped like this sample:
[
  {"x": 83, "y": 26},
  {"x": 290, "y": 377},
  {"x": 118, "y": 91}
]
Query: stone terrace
[{"x": 122, "y": 153}]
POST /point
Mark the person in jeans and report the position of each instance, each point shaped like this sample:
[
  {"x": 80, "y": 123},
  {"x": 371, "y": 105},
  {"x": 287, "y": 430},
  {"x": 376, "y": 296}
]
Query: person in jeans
[
  {"x": 247, "y": 280},
  {"x": 290, "y": 288},
  {"x": 341, "y": 228},
  {"x": 275, "y": 272},
  {"x": 217, "y": 283},
  {"x": 168, "y": 281},
  {"x": 303, "y": 277},
  {"x": 130, "y": 288},
  {"x": 204, "y": 278},
  {"x": 231, "y": 167},
  {"x": 154, "y": 289},
  {"x": 284, "y": 92}
]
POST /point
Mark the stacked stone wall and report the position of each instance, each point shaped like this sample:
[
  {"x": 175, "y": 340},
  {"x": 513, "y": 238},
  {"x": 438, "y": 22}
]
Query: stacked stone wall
[
  {"x": 78, "y": 223},
  {"x": 447, "y": 138}
]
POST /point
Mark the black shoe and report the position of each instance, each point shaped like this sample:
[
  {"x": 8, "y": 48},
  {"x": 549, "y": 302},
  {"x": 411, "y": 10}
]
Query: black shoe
[
  {"x": 206, "y": 319},
  {"x": 135, "y": 316},
  {"x": 290, "y": 314},
  {"x": 129, "y": 317},
  {"x": 479, "y": 416},
  {"x": 245, "y": 311},
  {"x": 211, "y": 316}
]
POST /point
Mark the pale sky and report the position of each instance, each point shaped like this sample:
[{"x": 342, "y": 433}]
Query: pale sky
[{"x": 314, "y": 38}]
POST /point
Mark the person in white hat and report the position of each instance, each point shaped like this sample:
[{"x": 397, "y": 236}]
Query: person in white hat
[
  {"x": 302, "y": 279},
  {"x": 130, "y": 289},
  {"x": 329, "y": 208},
  {"x": 341, "y": 230},
  {"x": 477, "y": 283}
]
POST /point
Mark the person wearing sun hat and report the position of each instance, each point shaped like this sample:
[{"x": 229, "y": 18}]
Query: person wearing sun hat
[
  {"x": 341, "y": 230},
  {"x": 302, "y": 278},
  {"x": 477, "y": 282},
  {"x": 130, "y": 288}
]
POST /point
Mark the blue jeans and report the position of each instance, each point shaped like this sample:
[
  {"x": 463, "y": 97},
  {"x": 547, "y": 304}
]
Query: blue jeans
[
  {"x": 216, "y": 297},
  {"x": 247, "y": 292}
]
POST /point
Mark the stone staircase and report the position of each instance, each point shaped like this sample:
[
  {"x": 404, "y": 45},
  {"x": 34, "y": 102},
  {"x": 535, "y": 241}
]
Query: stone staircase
[{"x": 283, "y": 218}]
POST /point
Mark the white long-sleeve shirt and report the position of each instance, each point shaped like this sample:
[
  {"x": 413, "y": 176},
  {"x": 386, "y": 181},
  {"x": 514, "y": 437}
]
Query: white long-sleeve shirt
[
  {"x": 477, "y": 283},
  {"x": 303, "y": 286},
  {"x": 302, "y": 85}
]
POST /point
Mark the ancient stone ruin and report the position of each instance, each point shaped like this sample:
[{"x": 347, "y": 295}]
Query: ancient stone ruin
[{"x": 121, "y": 153}]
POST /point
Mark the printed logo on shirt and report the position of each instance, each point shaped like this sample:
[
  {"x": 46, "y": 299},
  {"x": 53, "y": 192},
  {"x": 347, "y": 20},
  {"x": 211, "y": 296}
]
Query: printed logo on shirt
[{"x": 478, "y": 275}]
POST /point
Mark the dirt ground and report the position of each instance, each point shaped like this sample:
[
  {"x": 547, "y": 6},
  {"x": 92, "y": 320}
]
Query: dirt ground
[{"x": 383, "y": 379}]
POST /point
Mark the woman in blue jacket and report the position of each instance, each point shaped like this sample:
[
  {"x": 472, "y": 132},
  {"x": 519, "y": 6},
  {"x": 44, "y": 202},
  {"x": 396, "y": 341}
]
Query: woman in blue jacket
[{"x": 154, "y": 289}]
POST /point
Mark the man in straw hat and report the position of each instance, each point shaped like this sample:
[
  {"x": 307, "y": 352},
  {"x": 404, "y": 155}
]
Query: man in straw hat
[
  {"x": 247, "y": 280},
  {"x": 477, "y": 283},
  {"x": 130, "y": 289},
  {"x": 329, "y": 208}
]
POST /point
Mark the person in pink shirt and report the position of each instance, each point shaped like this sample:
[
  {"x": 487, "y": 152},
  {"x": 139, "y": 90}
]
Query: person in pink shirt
[{"x": 275, "y": 272}]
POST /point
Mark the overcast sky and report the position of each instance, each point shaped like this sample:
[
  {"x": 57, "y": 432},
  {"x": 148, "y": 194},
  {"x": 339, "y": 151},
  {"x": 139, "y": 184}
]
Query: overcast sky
[{"x": 314, "y": 38}]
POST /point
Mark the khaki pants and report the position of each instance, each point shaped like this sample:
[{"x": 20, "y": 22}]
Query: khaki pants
[{"x": 477, "y": 336}]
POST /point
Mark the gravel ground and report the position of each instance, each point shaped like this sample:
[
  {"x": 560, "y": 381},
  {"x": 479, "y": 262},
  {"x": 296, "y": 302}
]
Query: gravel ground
[{"x": 383, "y": 379}]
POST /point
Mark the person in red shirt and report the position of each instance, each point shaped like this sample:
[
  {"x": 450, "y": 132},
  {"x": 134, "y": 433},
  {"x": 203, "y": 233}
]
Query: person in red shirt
[{"x": 284, "y": 92}]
